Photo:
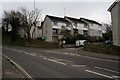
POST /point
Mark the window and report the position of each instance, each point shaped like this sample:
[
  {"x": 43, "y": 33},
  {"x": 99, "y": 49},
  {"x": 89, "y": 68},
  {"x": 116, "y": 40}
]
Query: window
[
  {"x": 55, "y": 31},
  {"x": 85, "y": 32},
  {"x": 92, "y": 30},
  {"x": 99, "y": 31},
  {"x": 67, "y": 24},
  {"x": 91, "y": 25},
  {"x": 75, "y": 24},
  {"x": 75, "y": 31},
  {"x": 55, "y": 23},
  {"x": 85, "y": 25}
]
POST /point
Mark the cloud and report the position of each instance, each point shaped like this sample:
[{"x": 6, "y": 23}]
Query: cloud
[
  {"x": 101, "y": 16},
  {"x": 58, "y": 0}
]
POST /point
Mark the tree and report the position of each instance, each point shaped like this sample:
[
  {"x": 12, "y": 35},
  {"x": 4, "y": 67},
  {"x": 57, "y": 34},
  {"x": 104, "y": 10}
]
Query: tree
[
  {"x": 13, "y": 18},
  {"x": 64, "y": 32},
  {"x": 22, "y": 18},
  {"x": 108, "y": 35},
  {"x": 29, "y": 21}
]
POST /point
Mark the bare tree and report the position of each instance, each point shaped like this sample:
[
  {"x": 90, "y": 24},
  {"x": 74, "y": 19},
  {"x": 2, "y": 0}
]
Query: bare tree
[
  {"x": 13, "y": 18},
  {"x": 30, "y": 19}
]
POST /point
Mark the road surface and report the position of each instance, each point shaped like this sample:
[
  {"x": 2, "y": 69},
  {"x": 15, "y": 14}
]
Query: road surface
[{"x": 44, "y": 63}]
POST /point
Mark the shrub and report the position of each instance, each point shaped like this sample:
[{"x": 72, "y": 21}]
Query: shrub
[
  {"x": 103, "y": 48},
  {"x": 71, "y": 39},
  {"x": 107, "y": 36}
]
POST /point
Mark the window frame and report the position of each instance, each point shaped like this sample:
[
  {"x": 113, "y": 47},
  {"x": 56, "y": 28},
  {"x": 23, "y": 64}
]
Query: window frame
[{"x": 55, "y": 23}]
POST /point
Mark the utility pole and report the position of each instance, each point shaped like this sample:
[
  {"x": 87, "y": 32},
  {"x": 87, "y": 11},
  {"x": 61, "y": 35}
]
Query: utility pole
[
  {"x": 34, "y": 4},
  {"x": 64, "y": 11}
]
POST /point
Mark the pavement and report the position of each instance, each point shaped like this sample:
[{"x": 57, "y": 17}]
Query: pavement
[
  {"x": 98, "y": 55},
  {"x": 10, "y": 70}
]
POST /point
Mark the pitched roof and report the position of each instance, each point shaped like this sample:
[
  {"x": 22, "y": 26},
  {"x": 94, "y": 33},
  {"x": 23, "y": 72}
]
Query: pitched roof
[
  {"x": 110, "y": 8},
  {"x": 56, "y": 18},
  {"x": 74, "y": 19},
  {"x": 90, "y": 20}
]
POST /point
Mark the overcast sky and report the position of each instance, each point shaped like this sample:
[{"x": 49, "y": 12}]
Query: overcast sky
[{"x": 92, "y": 10}]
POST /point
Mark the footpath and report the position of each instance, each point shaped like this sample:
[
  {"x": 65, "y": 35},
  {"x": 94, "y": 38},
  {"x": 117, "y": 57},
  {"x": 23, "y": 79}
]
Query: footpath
[{"x": 10, "y": 71}]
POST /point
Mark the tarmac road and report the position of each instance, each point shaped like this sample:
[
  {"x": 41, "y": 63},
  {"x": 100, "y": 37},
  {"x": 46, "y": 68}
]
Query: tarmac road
[{"x": 44, "y": 63}]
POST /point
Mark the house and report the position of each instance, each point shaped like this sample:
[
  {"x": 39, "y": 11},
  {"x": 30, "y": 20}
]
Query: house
[
  {"x": 39, "y": 30},
  {"x": 77, "y": 26},
  {"x": 35, "y": 32},
  {"x": 94, "y": 28},
  {"x": 52, "y": 25},
  {"x": 115, "y": 16}
]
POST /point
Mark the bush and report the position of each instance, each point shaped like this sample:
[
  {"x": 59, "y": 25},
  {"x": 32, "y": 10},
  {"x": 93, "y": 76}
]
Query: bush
[
  {"x": 108, "y": 36},
  {"x": 71, "y": 39},
  {"x": 41, "y": 44},
  {"x": 94, "y": 39},
  {"x": 103, "y": 48}
]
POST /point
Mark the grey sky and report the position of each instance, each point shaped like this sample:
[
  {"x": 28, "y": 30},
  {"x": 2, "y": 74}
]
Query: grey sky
[{"x": 91, "y": 10}]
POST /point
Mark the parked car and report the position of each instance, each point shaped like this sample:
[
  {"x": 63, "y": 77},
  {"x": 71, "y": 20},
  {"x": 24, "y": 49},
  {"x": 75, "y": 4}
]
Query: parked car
[
  {"x": 80, "y": 43},
  {"x": 108, "y": 42}
]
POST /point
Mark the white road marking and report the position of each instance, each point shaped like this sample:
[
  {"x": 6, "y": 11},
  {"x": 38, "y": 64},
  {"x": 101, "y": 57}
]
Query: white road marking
[
  {"x": 20, "y": 51},
  {"x": 34, "y": 53},
  {"x": 59, "y": 59},
  {"x": 54, "y": 61},
  {"x": 106, "y": 69},
  {"x": 79, "y": 65},
  {"x": 72, "y": 54},
  {"x": 48, "y": 51},
  {"x": 65, "y": 53},
  {"x": 98, "y": 74},
  {"x": 67, "y": 60},
  {"x": 116, "y": 77}
]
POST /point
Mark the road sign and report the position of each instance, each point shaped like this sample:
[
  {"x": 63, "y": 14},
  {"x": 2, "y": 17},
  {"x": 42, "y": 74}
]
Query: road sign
[{"x": 43, "y": 37}]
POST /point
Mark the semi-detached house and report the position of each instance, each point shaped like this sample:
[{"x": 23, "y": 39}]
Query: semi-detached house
[
  {"x": 94, "y": 28},
  {"x": 52, "y": 25}
]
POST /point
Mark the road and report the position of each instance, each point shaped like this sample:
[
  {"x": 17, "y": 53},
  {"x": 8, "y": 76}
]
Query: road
[{"x": 44, "y": 63}]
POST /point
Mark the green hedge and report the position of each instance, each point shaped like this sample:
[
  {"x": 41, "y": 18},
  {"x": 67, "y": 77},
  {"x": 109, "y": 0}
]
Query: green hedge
[
  {"x": 6, "y": 40},
  {"x": 103, "y": 48},
  {"x": 42, "y": 44}
]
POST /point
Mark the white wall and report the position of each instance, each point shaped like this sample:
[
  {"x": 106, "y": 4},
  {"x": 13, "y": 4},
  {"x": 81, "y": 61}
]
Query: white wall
[
  {"x": 115, "y": 24},
  {"x": 59, "y": 25},
  {"x": 95, "y": 30},
  {"x": 47, "y": 26},
  {"x": 80, "y": 27}
]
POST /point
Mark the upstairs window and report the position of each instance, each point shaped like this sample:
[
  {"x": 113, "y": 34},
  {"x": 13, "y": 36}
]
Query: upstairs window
[
  {"x": 91, "y": 25},
  {"x": 67, "y": 24},
  {"x": 85, "y": 32},
  {"x": 75, "y": 24},
  {"x": 92, "y": 30},
  {"x": 85, "y": 26},
  {"x": 55, "y": 23}
]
